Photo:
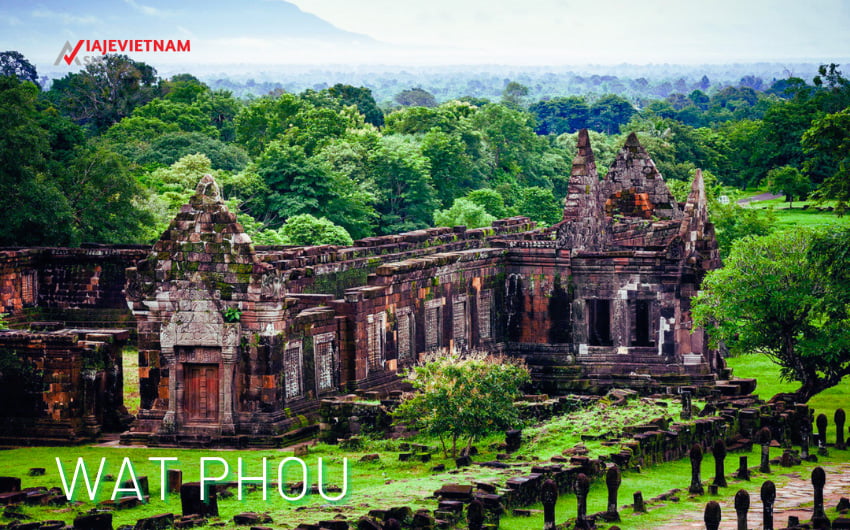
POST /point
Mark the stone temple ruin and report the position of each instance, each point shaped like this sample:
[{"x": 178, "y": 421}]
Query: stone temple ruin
[{"x": 237, "y": 341}]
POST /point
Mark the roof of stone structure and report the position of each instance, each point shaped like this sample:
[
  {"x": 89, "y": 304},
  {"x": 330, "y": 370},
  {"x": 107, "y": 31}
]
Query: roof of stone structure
[
  {"x": 633, "y": 186},
  {"x": 203, "y": 248}
]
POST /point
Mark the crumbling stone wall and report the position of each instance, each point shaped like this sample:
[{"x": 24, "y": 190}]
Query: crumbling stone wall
[
  {"x": 62, "y": 386},
  {"x": 83, "y": 285}
]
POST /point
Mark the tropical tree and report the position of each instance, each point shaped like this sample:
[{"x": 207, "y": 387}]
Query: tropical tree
[
  {"x": 788, "y": 181},
  {"x": 784, "y": 295},
  {"x": 416, "y": 97},
  {"x": 13, "y": 63},
  {"x": 463, "y": 213},
  {"x": 306, "y": 229},
  {"x": 463, "y": 398},
  {"x": 828, "y": 144},
  {"x": 107, "y": 89}
]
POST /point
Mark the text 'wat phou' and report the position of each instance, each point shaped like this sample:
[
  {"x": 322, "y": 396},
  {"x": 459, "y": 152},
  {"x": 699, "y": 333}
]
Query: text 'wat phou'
[{"x": 236, "y": 341}]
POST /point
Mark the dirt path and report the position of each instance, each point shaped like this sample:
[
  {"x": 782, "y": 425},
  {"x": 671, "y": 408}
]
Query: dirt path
[
  {"x": 793, "y": 498},
  {"x": 760, "y": 197}
]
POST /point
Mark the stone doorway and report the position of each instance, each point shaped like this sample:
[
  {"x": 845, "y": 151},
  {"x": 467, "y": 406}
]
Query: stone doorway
[{"x": 201, "y": 396}]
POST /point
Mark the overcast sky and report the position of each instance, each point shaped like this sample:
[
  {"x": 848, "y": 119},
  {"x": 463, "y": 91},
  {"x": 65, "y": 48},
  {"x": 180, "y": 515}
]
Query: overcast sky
[
  {"x": 516, "y": 32},
  {"x": 581, "y": 31}
]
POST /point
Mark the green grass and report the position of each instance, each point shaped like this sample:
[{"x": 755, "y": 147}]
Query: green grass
[
  {"x": 388, "y": 482},
  {"x": 795, "y": 216},
  {"x": 132, "y": 398},
  {"x": 384, "y": 483}
]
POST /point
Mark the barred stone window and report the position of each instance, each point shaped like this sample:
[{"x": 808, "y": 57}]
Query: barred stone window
[
  {"x": 459, "y": 320},
  {"x": 433, "y": 323},
  {"x": 292, "y": 368},
  {"x": 405, "y": 334},
  {"x": 375, "y": 338},
  {"x": 484, "y": 301},
  {"x": 28, "y": 288},
  {"x": 325, "y": 361}
]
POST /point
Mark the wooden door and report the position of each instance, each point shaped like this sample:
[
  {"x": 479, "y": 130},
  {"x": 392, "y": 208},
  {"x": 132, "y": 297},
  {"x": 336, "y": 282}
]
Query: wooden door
[{"x": 200, "y": 396}]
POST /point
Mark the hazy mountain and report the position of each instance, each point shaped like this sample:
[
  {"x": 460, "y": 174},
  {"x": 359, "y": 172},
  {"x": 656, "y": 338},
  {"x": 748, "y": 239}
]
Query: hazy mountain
[{"x": 39, "y": 29}]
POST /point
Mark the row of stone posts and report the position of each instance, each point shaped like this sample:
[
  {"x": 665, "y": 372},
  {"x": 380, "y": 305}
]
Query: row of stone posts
[{"x": 819, "y": 520}]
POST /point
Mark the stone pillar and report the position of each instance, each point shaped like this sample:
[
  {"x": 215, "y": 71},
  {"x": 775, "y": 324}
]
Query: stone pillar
[
  {"x": 719, "y": 452},
  {"x": 821, "y": 423},
  {"x": 839, "y": 419},
  {"x": 613, "y": 478},
  {"x": 696, "y": 461},
  {"x": 743, "y": 470},
  {"x": 549, "y": 496},
  {"x": 742, "y": 506},
  {"x": 639, "y": 506},
  {"x": 805, "y": 430},
  {"x": 175, "y": 480},
  {"x": 819, "y": 519},
  {"x": 763, "y": 438},
  {"x": 686, "y": 405},
  {"x": 768, "y": 497},
  {"x": 475, "y": 515},
  {"x": 582, "y": 487},
  {"x": 229, "y": 359},
  {"x": 712, "y": 515},
  {"x": 190, "y": 499}
]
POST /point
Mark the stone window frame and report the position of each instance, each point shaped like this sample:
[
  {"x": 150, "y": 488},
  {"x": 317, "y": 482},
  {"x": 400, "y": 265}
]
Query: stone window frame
[
  {"x": 29, "y": 287},
  {"x": 485, "y": 314},
  {"x": 291, "y": 383},
  {"x": 375, "y": 326},
  {"x": 405, "y": 314},
  {"x": 434, "y": 307},
  {"x": 320, "y": 341},
  {"x": 461, "y": 302}
]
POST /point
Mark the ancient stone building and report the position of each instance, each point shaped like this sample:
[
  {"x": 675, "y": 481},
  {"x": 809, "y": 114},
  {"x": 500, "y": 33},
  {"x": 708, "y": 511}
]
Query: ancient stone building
[
  {"x": 235, "y": 342},
  {"x": 238, "y": 343},
  {"x": 61, "y": 386}
]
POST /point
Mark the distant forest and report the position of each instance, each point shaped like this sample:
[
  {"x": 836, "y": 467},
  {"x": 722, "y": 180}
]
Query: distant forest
[
  {"x": 637, "y": 83},
  {"x": 108, "y": 154}
]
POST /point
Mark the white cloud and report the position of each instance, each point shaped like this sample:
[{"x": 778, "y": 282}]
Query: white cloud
[
  {"x": 147, "y": 10},
  {"x": 65, "y": 18},
  {"x": 604, "y": 30}
]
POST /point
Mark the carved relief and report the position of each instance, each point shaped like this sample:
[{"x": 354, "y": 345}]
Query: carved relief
[
  {"x": 292, "y": 370},
  {"x": 375, "y": 340},
  {"x": 485, "y": 299},
  {"x": 325, "y": 361}
]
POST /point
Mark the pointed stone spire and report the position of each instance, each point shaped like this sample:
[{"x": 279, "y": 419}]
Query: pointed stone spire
[
  {"x": 634, "y": 187},
  {"x": 697, "y": 205},
  {"x": 582, "y": 192},
  {"x": 207, "y": 191},
  {"x": 696, "y": 231},
  {"x": 204, "y": 239},
  {"x": 584, "y": 225}
]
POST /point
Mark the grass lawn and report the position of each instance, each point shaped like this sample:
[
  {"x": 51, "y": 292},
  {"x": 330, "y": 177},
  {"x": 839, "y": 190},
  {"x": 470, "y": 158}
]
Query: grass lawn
[
  {"x": 803, "y": 214},
  {"x": 387, "y": 482}
]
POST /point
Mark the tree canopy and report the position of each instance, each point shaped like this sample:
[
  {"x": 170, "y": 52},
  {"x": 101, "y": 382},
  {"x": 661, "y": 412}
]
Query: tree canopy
[
  {"x": 784, "y": 295},
  {"x": 462, "y": 398}
]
